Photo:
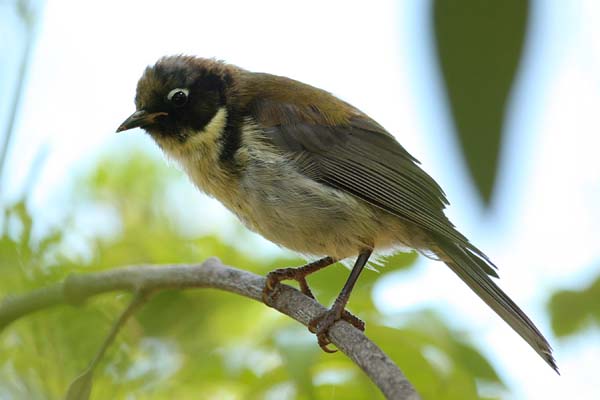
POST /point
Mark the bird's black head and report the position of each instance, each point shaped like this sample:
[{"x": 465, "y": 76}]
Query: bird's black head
[{"x": 179, "y": 95}]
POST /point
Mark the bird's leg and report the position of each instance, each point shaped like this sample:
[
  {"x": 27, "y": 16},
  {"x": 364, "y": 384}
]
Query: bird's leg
[
  {"x": 298, "y": 274},
  {"x": 321, "y": 325}
]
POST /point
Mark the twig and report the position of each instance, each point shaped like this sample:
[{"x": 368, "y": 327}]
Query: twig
[
  {"x": 81, "y": 387},
  {"x": 212, "y": 274},
  {"x": 30, "y": 19}
]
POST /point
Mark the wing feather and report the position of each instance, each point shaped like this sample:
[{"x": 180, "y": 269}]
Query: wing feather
[{"x": 340, "y": 146}]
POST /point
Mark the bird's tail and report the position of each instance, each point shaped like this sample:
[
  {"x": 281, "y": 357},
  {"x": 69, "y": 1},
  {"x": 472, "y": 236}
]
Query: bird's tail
[{"x": 474, "y": 268}]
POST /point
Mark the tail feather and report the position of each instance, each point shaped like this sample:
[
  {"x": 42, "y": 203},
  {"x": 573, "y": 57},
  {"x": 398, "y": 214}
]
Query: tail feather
[{"x": 474, "y": 271}]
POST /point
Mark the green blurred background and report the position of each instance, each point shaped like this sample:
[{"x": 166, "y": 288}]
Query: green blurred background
[{"x": 120, "y": 203}]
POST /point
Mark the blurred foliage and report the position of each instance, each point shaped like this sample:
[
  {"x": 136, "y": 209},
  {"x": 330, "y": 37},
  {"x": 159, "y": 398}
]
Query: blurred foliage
[
  {"x": 195, "y": 343},
  {"x": 479, "y": 46},
  {"x": 209, "y": 344},
  {"x": 573, "y": 311}
]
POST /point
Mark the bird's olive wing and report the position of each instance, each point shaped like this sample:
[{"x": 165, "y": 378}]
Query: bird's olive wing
[{"x": 361, "y": 158}]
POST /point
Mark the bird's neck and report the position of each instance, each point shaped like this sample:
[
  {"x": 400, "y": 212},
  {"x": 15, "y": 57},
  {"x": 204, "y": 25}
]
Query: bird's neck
[{"x": 199, "y": 157}]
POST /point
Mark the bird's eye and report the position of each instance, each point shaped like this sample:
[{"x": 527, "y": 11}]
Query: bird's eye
[{"x": 178, "y": 97}]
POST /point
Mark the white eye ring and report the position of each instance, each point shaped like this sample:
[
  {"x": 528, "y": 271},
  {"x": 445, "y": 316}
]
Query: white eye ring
[{"x": 177, "y": 90}]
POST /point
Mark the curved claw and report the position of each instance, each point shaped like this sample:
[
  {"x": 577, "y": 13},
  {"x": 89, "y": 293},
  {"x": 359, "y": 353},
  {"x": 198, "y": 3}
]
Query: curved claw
[
  {"x": 266, "y": 297},
  {"x": 324, "y": 342},
  {"x": 321, "y": 332},
  {"x": 274, "y": 278},
  {"x": 312, "y": 325},
  {"x": 321, "y": 325},
  {"x": 270, "y": 289}
]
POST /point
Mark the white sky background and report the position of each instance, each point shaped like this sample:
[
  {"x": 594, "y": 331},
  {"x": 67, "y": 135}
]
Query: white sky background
[{"x": 544, "y": 231}]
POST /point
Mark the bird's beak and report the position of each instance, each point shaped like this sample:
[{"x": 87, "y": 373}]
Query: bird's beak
[{"x": 139, "y": 118}]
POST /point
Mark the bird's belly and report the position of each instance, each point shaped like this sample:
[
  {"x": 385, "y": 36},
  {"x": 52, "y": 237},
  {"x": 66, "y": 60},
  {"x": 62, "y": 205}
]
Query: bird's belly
[{"x": 303, "y": 215}]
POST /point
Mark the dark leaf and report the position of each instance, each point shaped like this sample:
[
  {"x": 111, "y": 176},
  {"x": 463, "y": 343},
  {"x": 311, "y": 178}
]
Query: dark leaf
[{"x": 479, "y": 46}]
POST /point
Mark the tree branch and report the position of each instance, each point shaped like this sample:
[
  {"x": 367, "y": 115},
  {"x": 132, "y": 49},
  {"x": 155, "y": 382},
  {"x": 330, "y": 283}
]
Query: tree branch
[{"x": 212, "y": 274}]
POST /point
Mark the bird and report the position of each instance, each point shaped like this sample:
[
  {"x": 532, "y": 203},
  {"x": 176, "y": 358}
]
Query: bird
[{"x": 311, "y": 173}]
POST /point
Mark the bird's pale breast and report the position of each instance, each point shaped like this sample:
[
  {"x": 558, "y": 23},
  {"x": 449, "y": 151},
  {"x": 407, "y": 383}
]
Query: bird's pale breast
[{"x": 273, "y": 198}]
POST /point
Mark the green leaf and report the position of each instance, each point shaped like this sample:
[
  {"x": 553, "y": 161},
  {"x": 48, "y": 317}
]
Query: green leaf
[
  {"x": 572, "y": 311},
  {"x": 479, "y": 46},
  {"x": 474, "y": 363},
  {"x": 81, "y": 387}
]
